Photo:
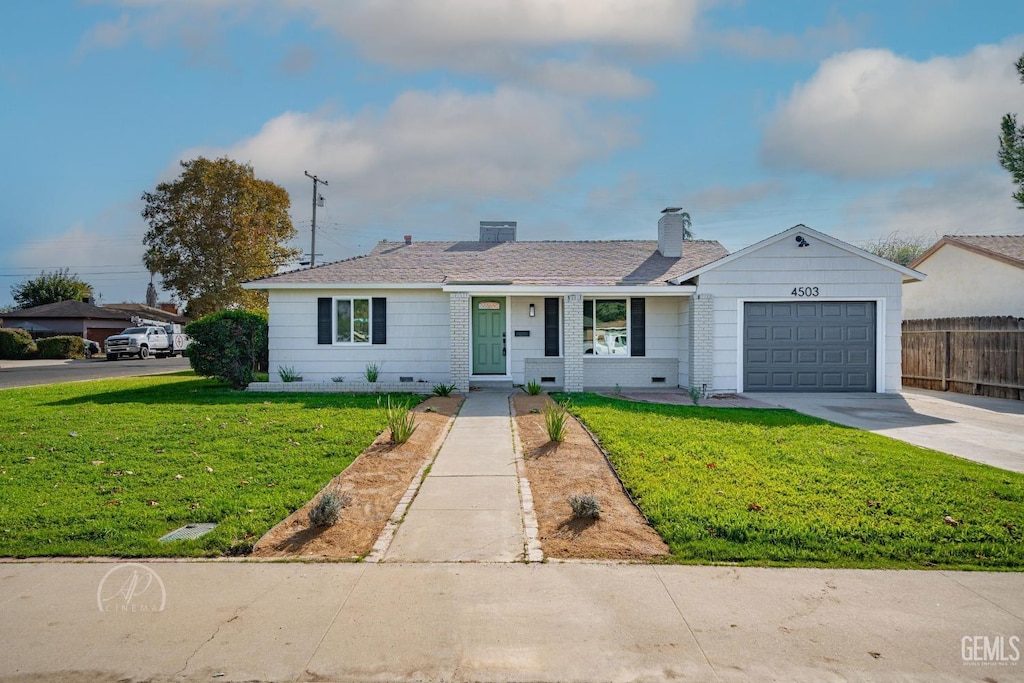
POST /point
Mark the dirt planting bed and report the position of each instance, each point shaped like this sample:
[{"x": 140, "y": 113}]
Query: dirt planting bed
[
  {"x": 375, "y": 481},
  {"x": 578, "y": 466}
]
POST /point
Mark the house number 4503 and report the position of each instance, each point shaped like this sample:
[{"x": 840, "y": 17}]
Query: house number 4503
[{"x": 804, "y": 291}]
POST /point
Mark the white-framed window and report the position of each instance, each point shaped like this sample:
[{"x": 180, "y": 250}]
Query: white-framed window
[
  {"x": 606, "y": 327},
  {"x": 351, "y": 321}
]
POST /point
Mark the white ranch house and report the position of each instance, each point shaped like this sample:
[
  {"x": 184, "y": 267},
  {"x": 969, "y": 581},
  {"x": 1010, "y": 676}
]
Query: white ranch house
[{"x": 799, "y": 311}]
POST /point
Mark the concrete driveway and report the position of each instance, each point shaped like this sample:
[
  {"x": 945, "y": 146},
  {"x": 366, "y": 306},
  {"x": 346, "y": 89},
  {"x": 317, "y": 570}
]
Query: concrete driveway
[{"x": 987, "y": 430}]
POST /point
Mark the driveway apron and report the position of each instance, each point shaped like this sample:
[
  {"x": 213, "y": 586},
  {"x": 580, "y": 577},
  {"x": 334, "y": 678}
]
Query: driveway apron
[{"x": 468, "y": 509}]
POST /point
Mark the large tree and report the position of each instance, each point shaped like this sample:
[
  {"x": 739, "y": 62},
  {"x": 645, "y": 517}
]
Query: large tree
[
  {"x": 50, "y": 288},
  {"x": 214, "y": 227},
  {"x": 1011, "y": 146}
]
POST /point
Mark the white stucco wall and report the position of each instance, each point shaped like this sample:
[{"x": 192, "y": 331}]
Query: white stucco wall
[
  {"x": 417, "y": 345},
  {"x": 961, "y": 283},
  {"x": 771, "y": 273}
]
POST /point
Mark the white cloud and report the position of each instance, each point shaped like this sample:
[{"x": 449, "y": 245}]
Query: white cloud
[
  {"x": 721, "y": 198},
  {"x": 870, "y": 113},
  {"x": 757, "y": 42},
  {"x": 968, "y": 203},
  {"x": 449, "y": 146},
  {"x": 109, "y": 259}
]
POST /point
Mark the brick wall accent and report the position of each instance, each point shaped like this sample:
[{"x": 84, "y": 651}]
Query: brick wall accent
[
  {"x": 545, "y": 367},
  {"x": 459, "y": 320},
  {"x": 629, "y": 373},
  {"x": 572, "y": 335},
  {"x": 702, "y": 343}
]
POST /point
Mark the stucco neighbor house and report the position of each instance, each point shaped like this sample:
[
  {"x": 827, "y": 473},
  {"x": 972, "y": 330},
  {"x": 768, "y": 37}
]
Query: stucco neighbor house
[
  {"x": 799, "y": 311},
  {"x": 969, "y": 276}
]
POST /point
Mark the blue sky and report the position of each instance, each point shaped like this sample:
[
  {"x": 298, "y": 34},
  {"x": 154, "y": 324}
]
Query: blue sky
[{"x": 578, "y": 118}]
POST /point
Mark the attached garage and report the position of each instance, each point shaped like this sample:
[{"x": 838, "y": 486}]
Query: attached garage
[
  {"x": 809, "y": 346},
  {"x": 797, "y": 312}
]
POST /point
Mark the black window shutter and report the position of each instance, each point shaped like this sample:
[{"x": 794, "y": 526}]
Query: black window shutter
[
  {"x": 638, "y": 328},
  {"x": 551, "y": 325},
  {"x": 323, "y": 320},
  {"x": 380, "y": 320}
]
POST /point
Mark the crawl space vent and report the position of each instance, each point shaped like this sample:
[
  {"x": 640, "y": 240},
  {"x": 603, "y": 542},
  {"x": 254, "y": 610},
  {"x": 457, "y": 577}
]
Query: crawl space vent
[{"x": 189, "y": 531}]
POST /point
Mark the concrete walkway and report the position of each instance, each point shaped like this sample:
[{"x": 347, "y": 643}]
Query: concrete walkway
[
  {"x": 244, "y": 621},
  {"x": 986, "y": 430},
  {"x": 467, "y": 509}
]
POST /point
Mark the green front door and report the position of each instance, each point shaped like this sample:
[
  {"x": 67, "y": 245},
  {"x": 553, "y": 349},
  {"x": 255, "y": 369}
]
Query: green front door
[{"x": 489, "y": 336}]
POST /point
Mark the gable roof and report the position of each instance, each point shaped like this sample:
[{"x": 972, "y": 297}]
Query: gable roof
[
  {"x": 909, "y": 274},
  {"x": 1006, "y": 248},
  {"x": 580, "y": 263},
  {"x": 69, "y": 309}
]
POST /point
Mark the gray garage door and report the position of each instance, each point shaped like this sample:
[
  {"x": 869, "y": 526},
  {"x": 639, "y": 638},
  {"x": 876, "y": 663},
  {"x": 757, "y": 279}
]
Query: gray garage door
[{"x": 809, "y": 346}]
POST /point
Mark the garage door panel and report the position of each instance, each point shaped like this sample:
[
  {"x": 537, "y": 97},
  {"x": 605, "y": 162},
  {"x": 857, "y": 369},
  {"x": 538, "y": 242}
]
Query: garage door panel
[
  {"x": 832, "y": 356},
  {"x": 809, "y": 346},
  {"x": 784, "y": 356}
]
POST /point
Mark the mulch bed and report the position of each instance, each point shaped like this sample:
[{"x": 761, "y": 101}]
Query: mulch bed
[
  {"x": 576, "y": 466},
  {"x": 376, "y": 481}
]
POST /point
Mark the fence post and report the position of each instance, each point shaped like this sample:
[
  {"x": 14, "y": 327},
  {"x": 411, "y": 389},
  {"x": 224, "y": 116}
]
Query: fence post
[{"x": 945, "y": 361}]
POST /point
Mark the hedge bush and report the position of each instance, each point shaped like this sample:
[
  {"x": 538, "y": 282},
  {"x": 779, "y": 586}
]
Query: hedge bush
[
  {"x": 229, "y": 345},
  {"x": 16, "y": 344},
  {"x": 61, "y": 347}
]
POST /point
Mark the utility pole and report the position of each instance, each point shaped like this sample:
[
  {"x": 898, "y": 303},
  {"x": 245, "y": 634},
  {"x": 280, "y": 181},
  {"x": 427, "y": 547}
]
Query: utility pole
[{"x": 312, "y": 246}]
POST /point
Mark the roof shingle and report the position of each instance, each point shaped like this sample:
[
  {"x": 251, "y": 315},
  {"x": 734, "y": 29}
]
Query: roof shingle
[
  {"x": 579, "y": 263},
  {"x": 1009, "y": 247}
]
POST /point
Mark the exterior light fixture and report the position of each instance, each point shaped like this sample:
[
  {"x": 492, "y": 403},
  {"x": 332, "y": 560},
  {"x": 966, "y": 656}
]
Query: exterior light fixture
[
  {"x": 801, "y": 241},
  {"x": 533, "y": 310}
]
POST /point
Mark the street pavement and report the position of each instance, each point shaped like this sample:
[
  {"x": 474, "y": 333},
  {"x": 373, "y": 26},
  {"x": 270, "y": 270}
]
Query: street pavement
[
  {"x": 250, "y": 621},
  {"x": 25, "y": 373}
]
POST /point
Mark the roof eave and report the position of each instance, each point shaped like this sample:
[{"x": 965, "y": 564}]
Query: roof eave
[{"x": 909, "y": 275}]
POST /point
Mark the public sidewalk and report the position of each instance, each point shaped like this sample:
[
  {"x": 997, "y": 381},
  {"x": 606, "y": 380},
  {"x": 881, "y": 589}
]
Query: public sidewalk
[
  {"x": 246, "y": 621},
  {"x": 467, "y": 509}
]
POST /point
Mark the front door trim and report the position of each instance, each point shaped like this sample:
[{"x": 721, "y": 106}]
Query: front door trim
[{"x": 472, "y": 331}]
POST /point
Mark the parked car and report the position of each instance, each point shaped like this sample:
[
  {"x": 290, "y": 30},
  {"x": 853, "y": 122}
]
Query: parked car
[{"x": 91, "y": 347}]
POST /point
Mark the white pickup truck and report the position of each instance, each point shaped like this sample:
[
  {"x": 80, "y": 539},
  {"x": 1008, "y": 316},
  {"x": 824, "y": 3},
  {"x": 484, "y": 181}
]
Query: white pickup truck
[{"x": 145, "y": 341}]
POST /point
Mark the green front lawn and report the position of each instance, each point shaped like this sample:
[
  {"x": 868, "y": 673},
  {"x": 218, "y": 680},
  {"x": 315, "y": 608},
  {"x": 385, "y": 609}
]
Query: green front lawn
[
  {"x": 108, "y": 467},
  {"x": 774, "y": 487}
]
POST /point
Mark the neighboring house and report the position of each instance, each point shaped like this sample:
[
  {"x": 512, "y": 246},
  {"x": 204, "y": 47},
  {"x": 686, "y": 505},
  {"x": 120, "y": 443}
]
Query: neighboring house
[
  {"x": 968, "y": 276},
  {"x": 69, "y": 317},
  {"x": 799, "y": 311},
  {"x": 84, "y": 319}
]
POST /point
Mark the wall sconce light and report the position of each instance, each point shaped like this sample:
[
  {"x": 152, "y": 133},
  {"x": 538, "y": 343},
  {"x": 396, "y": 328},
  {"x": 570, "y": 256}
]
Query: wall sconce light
[
  {"x": 801, "y": 241},
  {"x": 533, "y": 310}
]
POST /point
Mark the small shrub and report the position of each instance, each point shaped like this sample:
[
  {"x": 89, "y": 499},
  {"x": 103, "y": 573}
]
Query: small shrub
[
  {"x": 585, "y": 506},
  {"x": 289, "y": 374},
  {"x": 16, "y": 344},
  {"x": 533, "y": 387},
  {"x": 327, "y": 509},
  {"x": 372, "y": 372},
  {"x": 443, "y": 389},
  {"x": 339, "y": 379},
  {"x": 229, "y": 345},
  {"x": 61, "y": 347},
  {"x": 555, "y": 418},
  {"x": 695, "y": 395},
  {"x": 400, "y": 419},
  {"x": 261, "y": 377}
]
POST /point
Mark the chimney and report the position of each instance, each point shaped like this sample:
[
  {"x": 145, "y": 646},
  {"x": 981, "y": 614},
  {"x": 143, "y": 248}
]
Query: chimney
[
  {"x": 498, "y": 231},
  {"x": 670, "y": 232},
  {"x": 408, "y": 240}
]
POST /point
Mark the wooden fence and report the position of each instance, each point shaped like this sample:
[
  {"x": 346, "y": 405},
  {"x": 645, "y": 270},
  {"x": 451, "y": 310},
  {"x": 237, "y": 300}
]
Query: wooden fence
[{"x": 982, "y": 356}]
